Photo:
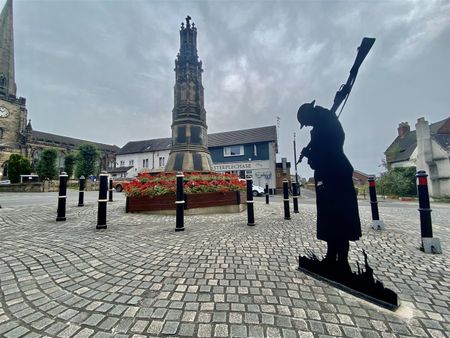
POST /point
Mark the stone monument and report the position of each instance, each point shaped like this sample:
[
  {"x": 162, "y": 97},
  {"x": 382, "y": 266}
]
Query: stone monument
[{"x": 189, "y": 130}]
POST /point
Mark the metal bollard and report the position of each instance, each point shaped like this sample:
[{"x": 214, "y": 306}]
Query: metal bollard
[
  {"x": 102, "y": 201},
  {"x": 61, "y": 212},
  {"x": 287, "y": 214},
  {"x": 250, "y": 210},
  {"x": 429, "y": 244},
  {"x": 266, "y": 192},
  {"x": 110, "y": 190},
  {"x": 180, "y": 203},
  {"x": 295, "y": 196},
  {"x": 82, "y": 181},
  {"x": 377, "y": 224}
]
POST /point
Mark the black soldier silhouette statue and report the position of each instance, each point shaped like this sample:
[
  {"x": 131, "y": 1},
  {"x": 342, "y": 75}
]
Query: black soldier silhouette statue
[
  {"x": 338, "y": 220},
  {"x": 337, "y": 206}
]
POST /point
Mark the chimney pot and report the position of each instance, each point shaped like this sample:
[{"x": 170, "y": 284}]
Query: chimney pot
[{"x": 403, "y": 129}]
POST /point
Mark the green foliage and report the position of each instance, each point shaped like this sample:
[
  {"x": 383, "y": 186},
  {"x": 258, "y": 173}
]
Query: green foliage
[
  {"x": 87, "y": 160},
  {"x": 69, "y": 164},
  {"x": 46, "y": 167},
  {"x": 398, "y": 182},
  {"x": 18, "y": 165}
]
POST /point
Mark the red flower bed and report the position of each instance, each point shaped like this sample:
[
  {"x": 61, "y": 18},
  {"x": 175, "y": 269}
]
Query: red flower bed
[{"x": 165, "y": 184}]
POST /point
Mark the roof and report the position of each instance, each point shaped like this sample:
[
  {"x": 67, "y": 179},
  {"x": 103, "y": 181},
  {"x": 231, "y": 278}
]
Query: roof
[
  {"x": 119, "y": 170},
  {"x": 69, "y": 142},
  {"x": 403, "y": 147},
  {"x": 254, "y": 135},
  {"x": 146, "y": 145}
]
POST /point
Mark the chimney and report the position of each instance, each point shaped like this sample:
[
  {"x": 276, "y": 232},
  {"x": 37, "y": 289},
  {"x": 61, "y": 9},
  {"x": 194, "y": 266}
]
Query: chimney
[{"x": 403, "y": 129}]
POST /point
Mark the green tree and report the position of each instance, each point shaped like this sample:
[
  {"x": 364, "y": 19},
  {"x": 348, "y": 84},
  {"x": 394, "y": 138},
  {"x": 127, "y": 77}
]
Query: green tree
[
  {"x": 69, "y": 164},
  {"x": 46, "y": 166},
  {"x": 398, "y": 182},
  {"x": 18, "y": 165},
  {"x": 87, "y": 160}
]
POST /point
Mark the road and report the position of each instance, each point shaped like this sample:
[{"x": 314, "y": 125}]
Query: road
[{"x": 13, "y": 199}]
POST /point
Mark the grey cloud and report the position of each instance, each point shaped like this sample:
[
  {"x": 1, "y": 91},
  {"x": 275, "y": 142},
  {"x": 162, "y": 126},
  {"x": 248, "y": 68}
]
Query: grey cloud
[{"x": 103, "y": 70}]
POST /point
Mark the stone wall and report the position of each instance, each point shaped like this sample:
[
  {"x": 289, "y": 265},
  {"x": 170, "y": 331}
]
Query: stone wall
[{"x": 19, "y": 187}]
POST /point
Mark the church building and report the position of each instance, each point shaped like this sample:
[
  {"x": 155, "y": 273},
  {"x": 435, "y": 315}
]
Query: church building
[{"x": 16, "y": 133}]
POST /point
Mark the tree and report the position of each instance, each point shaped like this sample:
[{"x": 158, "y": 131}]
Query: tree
[
  {"x": 18, "y": 165},
  {"x": 69, "y": 164},
  {"x": 87, "y": 160},
  {"x": 46, "y": 166},
  {"x": 399, "y": 182}
]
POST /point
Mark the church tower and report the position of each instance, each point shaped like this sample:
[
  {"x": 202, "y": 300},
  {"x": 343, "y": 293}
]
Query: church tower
[
  {"x": 13, "y": 113},
  {"x": 189, "y": 150}
]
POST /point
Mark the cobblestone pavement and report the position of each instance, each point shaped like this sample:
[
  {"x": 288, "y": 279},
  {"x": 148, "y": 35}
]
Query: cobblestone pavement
[{"x": 218, "y": 278}]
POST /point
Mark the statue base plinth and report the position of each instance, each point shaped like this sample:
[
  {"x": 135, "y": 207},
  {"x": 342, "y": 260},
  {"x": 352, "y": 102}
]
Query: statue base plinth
[
  {"x": 361, "y": 284},
  {"x": 189, "y": 161}
]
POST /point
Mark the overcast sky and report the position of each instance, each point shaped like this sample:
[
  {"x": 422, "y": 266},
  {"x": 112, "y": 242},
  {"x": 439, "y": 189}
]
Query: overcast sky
[{"x": 103, "y": 70}]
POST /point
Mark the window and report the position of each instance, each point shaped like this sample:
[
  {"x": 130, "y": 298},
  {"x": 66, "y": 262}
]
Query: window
[
  {"x": 131, "y": 162},
  {"x": 145, "y": 163},
  {"x": 255, "y": 150},
  {"x": 233, "y": 151},
  {"x": 2, "y": 80},
  {"x": 161, "y": 162},
  {"x": 122, "y": 163},
  {"x": 1, "y": 133}
]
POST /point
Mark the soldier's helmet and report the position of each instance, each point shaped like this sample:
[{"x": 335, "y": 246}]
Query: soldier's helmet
[{"x": 305, "y": 114}]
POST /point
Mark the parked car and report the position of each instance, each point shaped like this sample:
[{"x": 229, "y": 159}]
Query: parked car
[
  {"x": 5, "y": 182},
  {"x": 119, "y": 183},
  {"x": 256, "y": 189}
]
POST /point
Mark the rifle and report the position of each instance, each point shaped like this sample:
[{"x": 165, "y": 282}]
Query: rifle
[{"x": 344, "y": 91}]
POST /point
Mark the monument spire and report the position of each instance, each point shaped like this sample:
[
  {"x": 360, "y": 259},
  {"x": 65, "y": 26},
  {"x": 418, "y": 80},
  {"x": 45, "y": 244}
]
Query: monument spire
[
  {"x": 189, "y": 150},
  {"x": 7, "y": 79}
]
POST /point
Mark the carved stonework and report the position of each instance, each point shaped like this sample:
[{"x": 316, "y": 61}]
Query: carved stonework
[{"x": 189, "y": 130}]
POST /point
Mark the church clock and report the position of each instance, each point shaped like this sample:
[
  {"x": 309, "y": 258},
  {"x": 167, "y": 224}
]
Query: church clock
[{"x": 4, "y": 112}]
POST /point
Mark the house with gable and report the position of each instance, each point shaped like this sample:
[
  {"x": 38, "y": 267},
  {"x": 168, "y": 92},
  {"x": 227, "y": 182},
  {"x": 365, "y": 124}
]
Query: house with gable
[{"x": 427, "y": 148}]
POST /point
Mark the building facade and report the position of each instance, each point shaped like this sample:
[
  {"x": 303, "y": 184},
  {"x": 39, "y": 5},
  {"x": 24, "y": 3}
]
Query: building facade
[
  {"x": 241, "y": 152},
  {"x": 426, "y": 148}
]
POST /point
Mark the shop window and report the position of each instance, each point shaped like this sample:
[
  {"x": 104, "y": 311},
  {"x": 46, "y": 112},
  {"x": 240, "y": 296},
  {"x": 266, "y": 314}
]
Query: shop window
[{"x": 233, "y": 151}]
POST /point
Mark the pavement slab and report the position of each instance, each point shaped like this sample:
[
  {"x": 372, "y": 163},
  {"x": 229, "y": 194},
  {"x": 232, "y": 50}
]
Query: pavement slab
[{"x": 218, "y": 278}]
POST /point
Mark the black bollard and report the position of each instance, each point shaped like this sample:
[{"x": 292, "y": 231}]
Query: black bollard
[
  {"x": 429, "y": 244},
  {"x": 102, "y": 201},
  {"x": 82, "y": 181},
  {"x": 287, "y": 214},
  {"x": 110, "y": 190},
  {"x": 266, "y": 192},
  {"x": 61, "y": 213},
  {"x": 377, "y": 224},
  {"x": 295, "y": 196},
  {"x": 180, "y": 203},
  {"x": 250, "y": 210}
]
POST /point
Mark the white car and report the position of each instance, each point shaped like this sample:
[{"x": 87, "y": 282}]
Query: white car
[
  {"x": 257, "y": 190},
  {"x": 5, "y": 182}
]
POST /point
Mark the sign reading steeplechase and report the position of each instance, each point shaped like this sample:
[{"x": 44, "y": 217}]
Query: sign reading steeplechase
[
  {"x": 251, "y": 165},
  {"x": 233, "y": 166}
]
